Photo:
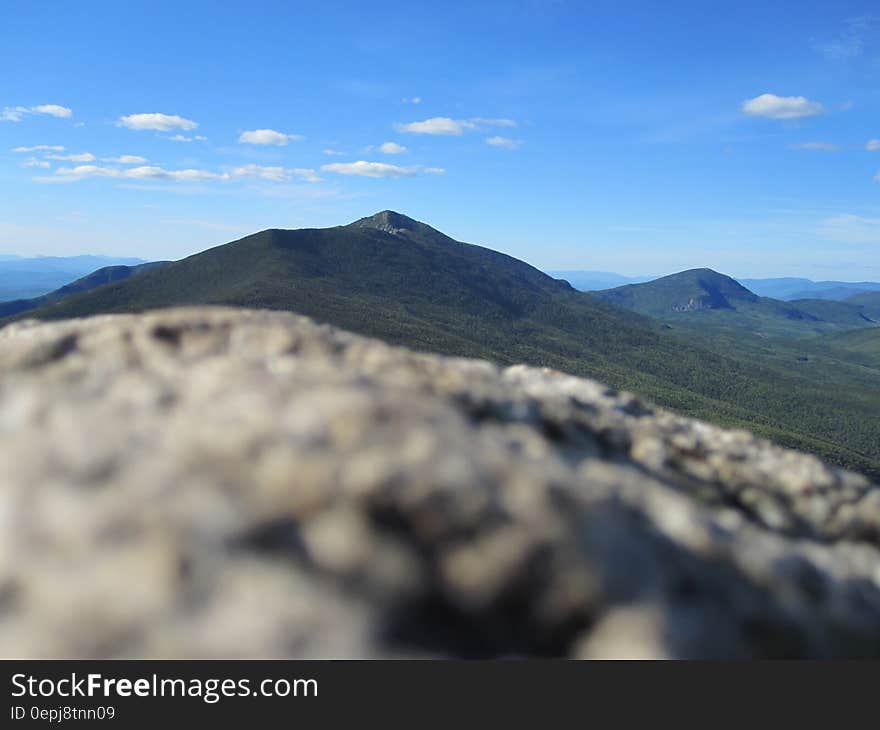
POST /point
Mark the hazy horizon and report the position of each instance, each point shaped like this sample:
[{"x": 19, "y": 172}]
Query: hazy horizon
[
  {"x": 619, "y": 271},
  {"x": 622, "y": 272}
]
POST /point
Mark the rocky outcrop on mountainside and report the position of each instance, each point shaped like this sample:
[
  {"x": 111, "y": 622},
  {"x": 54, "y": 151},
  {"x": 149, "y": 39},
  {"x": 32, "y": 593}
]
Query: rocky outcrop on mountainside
[{"x": 217, "y": 482}]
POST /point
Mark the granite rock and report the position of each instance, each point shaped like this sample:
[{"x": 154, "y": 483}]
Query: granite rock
[{"x": 212, "y": 482}]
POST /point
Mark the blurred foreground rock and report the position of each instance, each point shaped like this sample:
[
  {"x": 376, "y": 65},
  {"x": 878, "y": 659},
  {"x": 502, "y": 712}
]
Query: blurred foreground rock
[{"x": 215, "y": 482}]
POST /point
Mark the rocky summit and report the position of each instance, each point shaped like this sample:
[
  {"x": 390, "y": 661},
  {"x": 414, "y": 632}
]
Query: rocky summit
[{"x": 212, "y": 482}]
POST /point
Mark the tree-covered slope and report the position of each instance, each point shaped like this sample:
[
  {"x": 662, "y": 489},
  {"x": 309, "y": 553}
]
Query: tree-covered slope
[
  {"x": 861, "y": 347},
  {"x": 869, "y": 302},
  {"x": 88, "y": 282},
  {"x": 686, "y": 291},
  {"x": 705, "y": 298}
]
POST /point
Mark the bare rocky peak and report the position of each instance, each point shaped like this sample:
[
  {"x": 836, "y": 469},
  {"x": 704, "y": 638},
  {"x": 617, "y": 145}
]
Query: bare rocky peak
[
  {"x": 218, "y": 482},
  {"x": 391, "y": 222}
]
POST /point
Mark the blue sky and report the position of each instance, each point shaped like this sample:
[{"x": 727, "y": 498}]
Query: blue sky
[{"x": 637, "y": 137}]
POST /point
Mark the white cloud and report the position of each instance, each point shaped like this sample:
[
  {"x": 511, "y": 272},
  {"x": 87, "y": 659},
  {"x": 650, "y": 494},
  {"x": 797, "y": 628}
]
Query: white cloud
[
  {"x": 504, "y": 142},
  {"x": 815, "y": 146},
  {"x": 276, "y": 174},
  {"x": 392, "y": 148},
  {"x": 267, "y": 136},
  {"x": 17, "y": 113},
  {"x": 53, "y": 110},
  {"x": 454, "y": 127},
  {"x": 82, "y": 157},
  {"x": 81, "y": 172},
  {"x": 266, "y": 173},
  {"x": 362, "y": 168},
  {"x": 34, "y": 162},
  {"x": 493, "y": 122},
  {"x": 306, "y": 173},
  {"x": 771, "y": 106},
  {"x": 156, "y": 121},
  {"x": 873, "y": 145},
  {"x": 126, "y": 159},
  {"x": 152, "y": 172},
  {"x": 158, "y": 173},
  {"x": 332, "y": 153},
  {"x": 40, "y": 148},
  {"x": 436, "y": 125},
  {"x": 411, "y": 100},
  {"x": 184, "y": 138}
]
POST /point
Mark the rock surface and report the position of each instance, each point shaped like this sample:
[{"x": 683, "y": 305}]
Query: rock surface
[{"x": 215, "y": 482}]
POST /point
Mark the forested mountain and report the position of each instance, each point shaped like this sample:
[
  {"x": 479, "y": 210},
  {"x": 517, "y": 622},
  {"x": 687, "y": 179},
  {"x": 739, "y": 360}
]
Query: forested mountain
[
  {"x": 27, "y": 277},
  {"x": 91, "y": 281},
  {"x": 705, "y": 298}
]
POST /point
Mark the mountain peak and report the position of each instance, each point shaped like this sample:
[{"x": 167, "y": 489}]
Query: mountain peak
[
  {"x": 704, "y": 271},
  {"x": 694, "y": 289},
  {"x": 715, "y": 281},
  {"x": 389, "y": 221}
]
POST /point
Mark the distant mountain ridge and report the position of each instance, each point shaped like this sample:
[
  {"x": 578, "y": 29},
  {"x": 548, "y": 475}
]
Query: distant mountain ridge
[
  {"x": 596, "y": 280},
  {"x": 869, "y": 302},
  {"x": 789, "y": 289},
  {"x": 705, "y": 297},
  {"x": 685, "y": 291},
  {"x": 102, "y": 276},
  {"x": 785, "y": 288},
  {"x": 25, "y": 278}
]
